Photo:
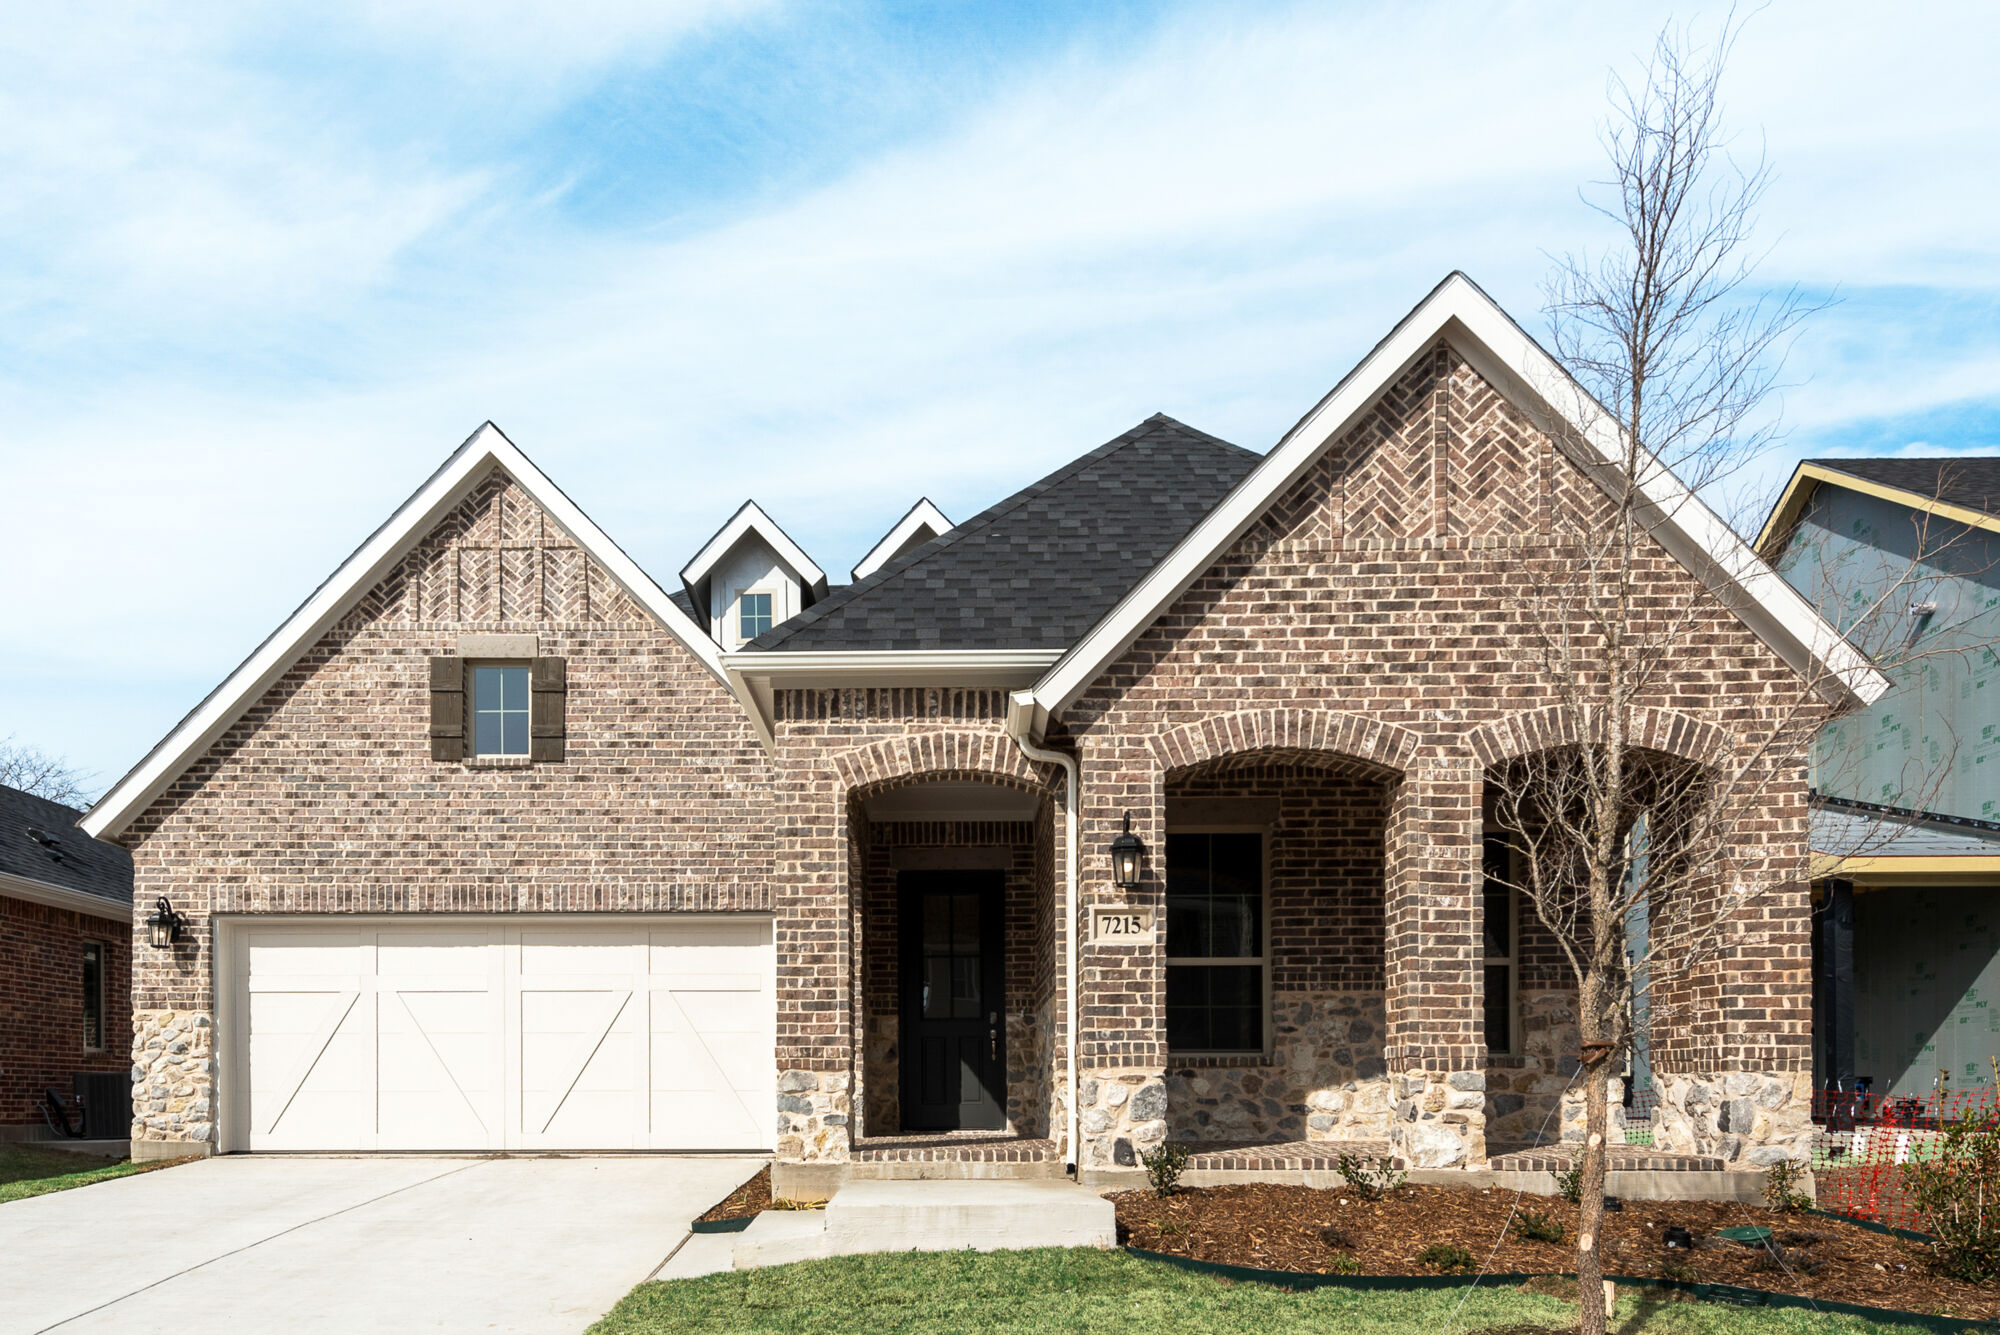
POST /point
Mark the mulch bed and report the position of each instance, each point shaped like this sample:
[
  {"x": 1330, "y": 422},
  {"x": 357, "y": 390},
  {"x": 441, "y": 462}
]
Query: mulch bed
[
  {"x": 1275, "y": 1227},
  {"x": 748, "y": 1200}
]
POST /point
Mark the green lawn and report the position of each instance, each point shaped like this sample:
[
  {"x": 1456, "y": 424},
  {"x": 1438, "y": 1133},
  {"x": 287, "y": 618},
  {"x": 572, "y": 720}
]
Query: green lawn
[
  {"x": 27, "y": 1170},
  {"x": 1110, "y": 1293}
]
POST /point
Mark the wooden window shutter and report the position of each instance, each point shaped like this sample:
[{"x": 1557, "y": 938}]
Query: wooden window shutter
[
  {"x": 548, "y": 703},
  {"x": 447, "y": 708}
]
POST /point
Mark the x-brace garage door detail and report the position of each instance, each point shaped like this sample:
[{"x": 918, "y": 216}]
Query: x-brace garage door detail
[{"x": 441, "y": 1035}]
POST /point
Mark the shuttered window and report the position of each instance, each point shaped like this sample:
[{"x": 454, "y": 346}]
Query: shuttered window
[{"x": 499, "y": 711}]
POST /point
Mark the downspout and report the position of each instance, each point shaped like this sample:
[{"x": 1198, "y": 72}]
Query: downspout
[{"x": 1019, "y": 721}]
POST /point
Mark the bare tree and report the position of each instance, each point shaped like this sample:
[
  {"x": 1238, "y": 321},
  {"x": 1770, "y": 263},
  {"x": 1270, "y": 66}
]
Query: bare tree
[
  {"x": 35, "y": 771},
  {"x": 1676, "y": 352}
]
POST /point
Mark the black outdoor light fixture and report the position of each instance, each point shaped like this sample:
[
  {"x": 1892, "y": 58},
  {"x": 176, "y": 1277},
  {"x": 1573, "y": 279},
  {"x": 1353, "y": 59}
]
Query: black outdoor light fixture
[
  {"x": 164, "y": 925},
  {"x": 1125, "y": 851}
]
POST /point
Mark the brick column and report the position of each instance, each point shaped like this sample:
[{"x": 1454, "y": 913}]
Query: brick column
[
  {"x": 1435, "y": 1051},
  {"x": 1122, "y": 1028}
]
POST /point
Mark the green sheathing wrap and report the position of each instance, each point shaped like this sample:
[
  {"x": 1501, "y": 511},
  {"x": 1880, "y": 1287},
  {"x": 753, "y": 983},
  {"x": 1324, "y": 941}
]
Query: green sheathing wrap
[
  {"x": 1939, "y": 728},
  {"x": 1927, "y": 987}
]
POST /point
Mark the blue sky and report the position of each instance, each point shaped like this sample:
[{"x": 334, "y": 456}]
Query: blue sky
[{"x": 258, "y": 274}]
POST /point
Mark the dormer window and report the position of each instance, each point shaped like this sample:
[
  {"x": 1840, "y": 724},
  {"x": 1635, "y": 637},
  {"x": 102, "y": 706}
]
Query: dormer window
[
  {"x": 753, "y": 615},
  {"x": 749, "y": 578}
]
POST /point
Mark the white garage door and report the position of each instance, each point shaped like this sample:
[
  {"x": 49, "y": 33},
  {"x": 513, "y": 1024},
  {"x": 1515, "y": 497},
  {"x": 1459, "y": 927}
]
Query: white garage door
[{"x": 442, "y": 1035}]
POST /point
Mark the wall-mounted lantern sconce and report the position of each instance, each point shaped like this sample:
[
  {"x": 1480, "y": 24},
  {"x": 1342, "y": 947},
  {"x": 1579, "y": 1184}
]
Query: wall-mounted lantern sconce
[
  {"x": 1125, "y": 853},
  {"x": 164, "y": 926}
]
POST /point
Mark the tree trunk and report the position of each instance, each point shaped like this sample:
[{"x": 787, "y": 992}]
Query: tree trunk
[{"x": 1591, "y": 1315}]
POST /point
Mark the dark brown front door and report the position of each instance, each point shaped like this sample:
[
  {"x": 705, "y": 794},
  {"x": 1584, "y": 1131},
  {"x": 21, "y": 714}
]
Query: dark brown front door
[{"x": 953, "y": 1039}]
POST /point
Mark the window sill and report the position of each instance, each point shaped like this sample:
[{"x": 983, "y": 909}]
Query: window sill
[
  {"x": 1196, "y": 1060},
  {"x": 498, "y": 762}
]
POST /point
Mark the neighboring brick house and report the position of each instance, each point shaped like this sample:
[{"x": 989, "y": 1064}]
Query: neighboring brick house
[
  {"x": 499, "y": 845},
  {"x": 65, "y": 957}
]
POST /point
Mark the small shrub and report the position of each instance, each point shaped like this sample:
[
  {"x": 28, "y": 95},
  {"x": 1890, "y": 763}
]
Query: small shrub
[
  {"x": 1569, "y": 1184},
  {"x": 1371, "y": 1177},
  {"x": 1171, "y": 1228},
  {"x": 1164, "y": 1166},
  {"x": 1343, "y": 1264},
  {"x": 1538, "y": 1226},
  {"x": 1679, "y": 1269},
  {"x": 1781, "y": 1187},
  {"x": 1443, "y": 1256},
  {"x": 1956, "y": 1192}
]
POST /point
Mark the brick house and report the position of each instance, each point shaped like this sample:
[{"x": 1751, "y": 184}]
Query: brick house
[
  {"x": 498, "y": 844},
  {"x": 65, "y": 957}
]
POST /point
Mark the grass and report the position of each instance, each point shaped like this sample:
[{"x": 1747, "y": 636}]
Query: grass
[
  {"x": 968, "y": 1293},
  {"x": 27, "y": 1170}
]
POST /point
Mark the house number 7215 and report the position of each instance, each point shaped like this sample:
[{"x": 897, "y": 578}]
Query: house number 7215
[{"x": 1122, "y": 925}]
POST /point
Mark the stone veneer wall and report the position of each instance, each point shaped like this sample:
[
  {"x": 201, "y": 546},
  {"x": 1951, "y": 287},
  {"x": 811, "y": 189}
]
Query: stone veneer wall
[{"x": 323, "y": 797}]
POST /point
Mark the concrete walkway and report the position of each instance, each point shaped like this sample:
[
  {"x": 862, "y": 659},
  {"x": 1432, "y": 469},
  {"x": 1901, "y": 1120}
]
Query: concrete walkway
[{"x": 250, "y": 1245}]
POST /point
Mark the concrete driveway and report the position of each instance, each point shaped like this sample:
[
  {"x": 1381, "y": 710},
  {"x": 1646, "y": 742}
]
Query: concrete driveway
[{"x": 248, "y": 1245}]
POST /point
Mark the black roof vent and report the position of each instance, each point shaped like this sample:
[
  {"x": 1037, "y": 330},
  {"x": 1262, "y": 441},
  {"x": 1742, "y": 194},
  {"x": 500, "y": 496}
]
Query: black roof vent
[{"x": 46, "y": 840}]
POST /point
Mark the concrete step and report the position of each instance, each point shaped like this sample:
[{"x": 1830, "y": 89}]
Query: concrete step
[
  {"x": 972, "y": 1214},
  {"x": 968, "y": 1215},
  {"x": 779, "y": 1237}
]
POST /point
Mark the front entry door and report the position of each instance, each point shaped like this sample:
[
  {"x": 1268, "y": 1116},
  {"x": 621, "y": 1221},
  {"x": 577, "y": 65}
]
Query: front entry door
[{"x": 954, "y": 1040}]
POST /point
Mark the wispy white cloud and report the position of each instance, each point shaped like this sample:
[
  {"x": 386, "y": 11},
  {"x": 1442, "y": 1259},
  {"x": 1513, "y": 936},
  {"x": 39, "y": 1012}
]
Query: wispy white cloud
[{"x": 252, "y": 321}]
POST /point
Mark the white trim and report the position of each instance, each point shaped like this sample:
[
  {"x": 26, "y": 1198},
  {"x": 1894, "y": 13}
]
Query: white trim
[
  {"x": 62, "y": 897},
  {"x": 1459, "y": 312},
  {"x": 922, "y": 515},
  {"x": 750, "y": 517},
  {"x": 733, "y": 618},
  {"x": 468, "y": 466}
]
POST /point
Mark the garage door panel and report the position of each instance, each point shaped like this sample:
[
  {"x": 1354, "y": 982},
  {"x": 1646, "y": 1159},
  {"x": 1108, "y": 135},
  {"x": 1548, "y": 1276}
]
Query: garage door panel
[{"x": 487, "y": 1035}]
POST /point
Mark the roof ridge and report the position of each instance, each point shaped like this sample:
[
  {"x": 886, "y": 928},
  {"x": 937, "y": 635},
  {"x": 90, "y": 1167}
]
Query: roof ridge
[{"x": 845, "y": 594}]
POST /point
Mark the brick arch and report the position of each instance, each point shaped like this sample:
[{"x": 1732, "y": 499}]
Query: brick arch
[
  {"x": 958, "y": 754},
  {"x": 1663, "y": 730},
  {"x": 1328, "y": 731}
]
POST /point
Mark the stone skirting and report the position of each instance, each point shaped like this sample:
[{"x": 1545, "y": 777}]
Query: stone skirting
[
  {"x": 1440, "y": 1118},
  {"x": 173, "y": 1080},
  {"x": 814, "y": 1110},
  {"x": 1746, "y": 1119},
  {"x": 1122, "y": 1115}
]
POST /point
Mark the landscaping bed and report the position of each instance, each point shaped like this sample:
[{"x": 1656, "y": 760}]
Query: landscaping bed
[
  {"x": 1340, "y": 1231},
  {"x": 746, "y": 1202}
]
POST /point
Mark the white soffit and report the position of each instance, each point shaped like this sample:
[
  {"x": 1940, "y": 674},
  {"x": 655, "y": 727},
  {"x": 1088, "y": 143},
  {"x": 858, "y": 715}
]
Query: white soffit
[
  {"x": 486, "y": 451},
  {"x": 750, "y": 518},
  {"x": 1459, "y": 312},
  {"x": 921, "y": 523}
]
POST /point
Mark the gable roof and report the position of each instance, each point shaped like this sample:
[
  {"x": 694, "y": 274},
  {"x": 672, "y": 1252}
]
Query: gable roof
[
  {"x": 919, "y": 524},
  {"x": 483, "y": 452},
  {"x": 1041, "y": 567},
  {"x": 1499, "y": 349},
  {"x": 750, "y": 518},
  {"x": 44, "y": 857},
  {"x": 1963, "y": 489}
]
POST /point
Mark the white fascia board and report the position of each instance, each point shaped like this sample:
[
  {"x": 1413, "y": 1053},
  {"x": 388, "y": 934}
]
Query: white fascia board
[
  {"x": 923, "y": 515},
  {"x": 62, "y": 897},
  {"x": 751, "y": 518},
  {"x": 757, "y": 675},
  {"x": 1458, "y": 311},
  {"x": 469, "y": 465}
]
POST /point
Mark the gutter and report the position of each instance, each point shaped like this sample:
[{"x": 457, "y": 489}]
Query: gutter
[{"x": 1022, "y": 717}]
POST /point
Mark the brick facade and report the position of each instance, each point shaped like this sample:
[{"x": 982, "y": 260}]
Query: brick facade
[
  {"x": 1356, "y": 657},
  {"x": 41, "y": 1003}
]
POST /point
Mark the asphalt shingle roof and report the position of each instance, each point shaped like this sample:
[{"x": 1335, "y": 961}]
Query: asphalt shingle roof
[
  {"x": 1971, "y": 482},
  {"x": 74, "y": 860},
  {"x": 1043, "y": 566}
]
